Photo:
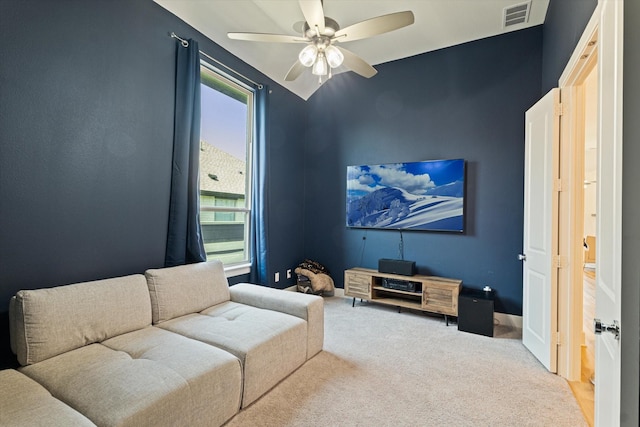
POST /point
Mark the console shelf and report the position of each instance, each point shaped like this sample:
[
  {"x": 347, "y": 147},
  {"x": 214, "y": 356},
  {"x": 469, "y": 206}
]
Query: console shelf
[
  {"x": 397, "y": 291},
  {"x": 435, "y": 294}
]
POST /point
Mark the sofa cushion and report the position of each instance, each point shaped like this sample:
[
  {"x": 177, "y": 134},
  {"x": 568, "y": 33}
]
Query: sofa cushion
[
  {"x": 147, "y": 377},
  {"x": 214, "y": 376},
  {"x": 307, "y": 307},
  {"x": 186, "y": 289},
  {"x": 113, "y": 389},
  {"x": 270, "y": 345},
  {"x": 47, "y": 322},
  {"x": 25, "y": 403}
]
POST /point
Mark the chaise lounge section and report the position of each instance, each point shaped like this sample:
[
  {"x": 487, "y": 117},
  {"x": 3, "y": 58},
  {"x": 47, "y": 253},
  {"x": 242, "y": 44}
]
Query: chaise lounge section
[
  {"x": 266, "y": 329},
  {"x": 177, "y": 346}
]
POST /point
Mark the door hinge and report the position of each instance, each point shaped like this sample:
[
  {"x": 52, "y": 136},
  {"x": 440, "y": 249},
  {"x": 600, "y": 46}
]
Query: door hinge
[
  {"x": 558, "y": 109},
  {"x": 558, "y": 340},
  {"x": 557, "y": 185},
  {"x": 559, "y": 261}
]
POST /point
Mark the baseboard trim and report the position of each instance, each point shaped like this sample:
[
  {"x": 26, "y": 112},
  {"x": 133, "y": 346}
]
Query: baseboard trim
[{"x": 510, "y": 320}]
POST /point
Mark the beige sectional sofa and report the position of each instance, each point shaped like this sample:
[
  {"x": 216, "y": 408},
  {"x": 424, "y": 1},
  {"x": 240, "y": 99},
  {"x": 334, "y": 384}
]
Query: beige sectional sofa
[{"x": 176, "y": 346}]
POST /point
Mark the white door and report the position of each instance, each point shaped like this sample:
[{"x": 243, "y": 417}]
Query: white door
[
  {"x": 609, "y": 214},
  {"x": 540, "y": 239}
]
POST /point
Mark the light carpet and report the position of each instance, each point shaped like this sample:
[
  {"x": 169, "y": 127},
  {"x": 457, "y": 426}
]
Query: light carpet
[{"x": 384, "y": 368}]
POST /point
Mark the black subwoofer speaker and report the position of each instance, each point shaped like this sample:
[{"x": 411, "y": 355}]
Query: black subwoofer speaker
[
  {"x": 475, "y": 312},
  {"x": 396, "y": 266}
]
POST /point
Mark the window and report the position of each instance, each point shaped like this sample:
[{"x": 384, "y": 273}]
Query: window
[{"x": 226, "y": 130}]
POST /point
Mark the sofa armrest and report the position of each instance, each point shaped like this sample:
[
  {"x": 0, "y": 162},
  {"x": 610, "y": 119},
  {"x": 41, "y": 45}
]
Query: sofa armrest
[{"x": 307, "y": 307}]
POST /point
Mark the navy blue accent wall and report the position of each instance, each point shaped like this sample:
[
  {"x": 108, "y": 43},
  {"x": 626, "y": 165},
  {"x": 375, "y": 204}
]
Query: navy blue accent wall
[
  {"x": 563, "y": 26},
  {"x": 86, "y": 122},
  {"x": 466, "y": 101},
  {"x": 86, "y": 110},
  {"x": 285, "y": 186}
]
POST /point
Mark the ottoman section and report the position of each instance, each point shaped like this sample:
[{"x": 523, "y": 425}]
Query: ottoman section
[
  {"x": 25, "y": 403},
  {"x": 214, "y": 375},
  {"x": 112, "y": 389},
  {"x": 270, "y": 344}
]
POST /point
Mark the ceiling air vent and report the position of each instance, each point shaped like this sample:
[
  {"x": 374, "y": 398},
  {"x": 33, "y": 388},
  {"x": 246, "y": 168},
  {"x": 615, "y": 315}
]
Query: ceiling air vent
[{"x": 517, "y": 14}]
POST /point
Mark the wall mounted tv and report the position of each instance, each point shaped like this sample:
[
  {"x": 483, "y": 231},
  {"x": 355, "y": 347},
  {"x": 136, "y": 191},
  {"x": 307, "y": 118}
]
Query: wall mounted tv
[{"x": 425, "y": 196}]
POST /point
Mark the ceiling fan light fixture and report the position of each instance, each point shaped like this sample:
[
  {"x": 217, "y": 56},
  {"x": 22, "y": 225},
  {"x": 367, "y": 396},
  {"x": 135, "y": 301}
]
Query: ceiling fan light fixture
[
  {"x": 334, "y": 56},
  {"x": 308, "y": 55},
  {"x": 320, "y": 33},
  {"x": 320, "y": 67}
]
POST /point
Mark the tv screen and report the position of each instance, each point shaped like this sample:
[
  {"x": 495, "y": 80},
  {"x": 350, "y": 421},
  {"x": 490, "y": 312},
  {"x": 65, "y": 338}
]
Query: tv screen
[{"x": 426, "y": 195}]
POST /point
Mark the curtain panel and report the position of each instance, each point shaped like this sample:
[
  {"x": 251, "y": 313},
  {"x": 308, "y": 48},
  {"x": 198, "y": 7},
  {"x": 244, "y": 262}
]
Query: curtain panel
[
  {"x": 184, "y": 237},
  {"x": 259, "y": 270}
]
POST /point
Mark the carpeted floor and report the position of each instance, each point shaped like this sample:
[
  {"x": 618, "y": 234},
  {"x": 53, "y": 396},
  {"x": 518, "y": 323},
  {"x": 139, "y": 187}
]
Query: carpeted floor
[{"x": 384, "y": 368}]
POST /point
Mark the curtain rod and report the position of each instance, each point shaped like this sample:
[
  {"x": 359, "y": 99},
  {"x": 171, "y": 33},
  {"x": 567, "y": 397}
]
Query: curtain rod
[{"x": 185, "y": 43}]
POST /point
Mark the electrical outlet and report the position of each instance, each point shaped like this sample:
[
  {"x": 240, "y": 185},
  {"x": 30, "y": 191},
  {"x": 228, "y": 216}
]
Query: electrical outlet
[
  {"x": 277, "y": 277},
  {"x": 289, "y": 274}
]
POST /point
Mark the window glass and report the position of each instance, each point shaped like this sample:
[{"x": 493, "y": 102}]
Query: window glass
[{"x": 225, "y": 167}]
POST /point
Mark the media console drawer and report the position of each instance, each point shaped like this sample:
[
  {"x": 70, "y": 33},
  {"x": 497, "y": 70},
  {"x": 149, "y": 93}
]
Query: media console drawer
[
  {"x": 437, "y": 295},
  {"x": 440, "y": 295},
  {"x": 357, "y": 284}
]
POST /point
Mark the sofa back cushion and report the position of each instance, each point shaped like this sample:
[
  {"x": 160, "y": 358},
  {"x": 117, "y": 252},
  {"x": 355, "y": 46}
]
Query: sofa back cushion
[
  {"x": 48, "y": 322},
  {"x": 186, "y": 289}
]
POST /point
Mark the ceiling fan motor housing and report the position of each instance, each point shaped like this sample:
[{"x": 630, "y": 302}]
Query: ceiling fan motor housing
[{"x": 330, "y": 28}]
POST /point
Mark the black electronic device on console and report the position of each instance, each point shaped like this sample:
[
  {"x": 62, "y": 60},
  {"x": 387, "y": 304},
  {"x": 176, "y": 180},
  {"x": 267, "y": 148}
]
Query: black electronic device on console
[
  {"x": 397, "y": 266},
  {"x": 401, "y": 285}
]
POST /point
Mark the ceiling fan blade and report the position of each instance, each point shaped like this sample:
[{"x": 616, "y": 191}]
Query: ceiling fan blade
[
  {"x": 313, "y": 13},
  {"x": 294, "y": 72},
  {"x": 264, "y": 37},
  {"x": 357, "y": 64},
  {"x": 298, "y": 27},
  {"x": 374, "y": 26}
]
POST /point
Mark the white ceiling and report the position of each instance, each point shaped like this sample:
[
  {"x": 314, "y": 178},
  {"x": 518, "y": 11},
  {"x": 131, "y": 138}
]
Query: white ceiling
[{"x": 438, "y": 24}]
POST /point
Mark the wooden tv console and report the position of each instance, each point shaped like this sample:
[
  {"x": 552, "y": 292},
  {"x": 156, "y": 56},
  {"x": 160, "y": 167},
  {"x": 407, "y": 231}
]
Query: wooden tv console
[{"x": 436, "y": 294}]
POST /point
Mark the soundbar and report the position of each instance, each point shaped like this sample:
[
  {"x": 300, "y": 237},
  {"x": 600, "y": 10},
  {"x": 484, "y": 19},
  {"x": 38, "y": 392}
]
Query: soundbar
[{"x": 397, "y": 266}]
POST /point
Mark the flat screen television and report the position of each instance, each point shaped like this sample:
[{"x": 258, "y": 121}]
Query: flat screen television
[{"x": 426, "y": 196}]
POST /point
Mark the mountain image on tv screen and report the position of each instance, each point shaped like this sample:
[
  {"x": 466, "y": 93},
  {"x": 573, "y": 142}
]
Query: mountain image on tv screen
[{"x": 427, "y": 195}]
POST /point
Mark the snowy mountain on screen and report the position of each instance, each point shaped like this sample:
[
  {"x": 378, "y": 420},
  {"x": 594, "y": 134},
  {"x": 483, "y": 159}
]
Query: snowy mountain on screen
[{"x": 394, "y": 208}]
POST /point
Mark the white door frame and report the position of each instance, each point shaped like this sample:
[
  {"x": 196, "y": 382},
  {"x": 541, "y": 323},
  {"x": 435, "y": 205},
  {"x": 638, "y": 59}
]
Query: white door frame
[
  {"x": 570, "y": 310},
  {"x": 605, "y": 28}
]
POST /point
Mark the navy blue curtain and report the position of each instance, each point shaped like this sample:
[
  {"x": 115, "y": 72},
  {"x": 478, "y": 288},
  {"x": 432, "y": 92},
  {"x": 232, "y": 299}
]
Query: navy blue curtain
[
  {"x": 184, "y": 238},
  {"x": 259, "y": 273}
]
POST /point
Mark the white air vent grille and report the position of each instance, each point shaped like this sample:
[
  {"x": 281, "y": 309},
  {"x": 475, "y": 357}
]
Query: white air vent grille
[{"x": 517, "y": 14}]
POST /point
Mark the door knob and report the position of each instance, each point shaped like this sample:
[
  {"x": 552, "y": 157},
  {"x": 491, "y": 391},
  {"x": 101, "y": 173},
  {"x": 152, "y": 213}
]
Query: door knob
[
  {"x": 522, "y": 257},
  {"x": 599, "y": 328}
]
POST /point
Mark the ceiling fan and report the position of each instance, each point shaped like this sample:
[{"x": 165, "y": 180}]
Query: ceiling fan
[{"x": 321, "y": 34}]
